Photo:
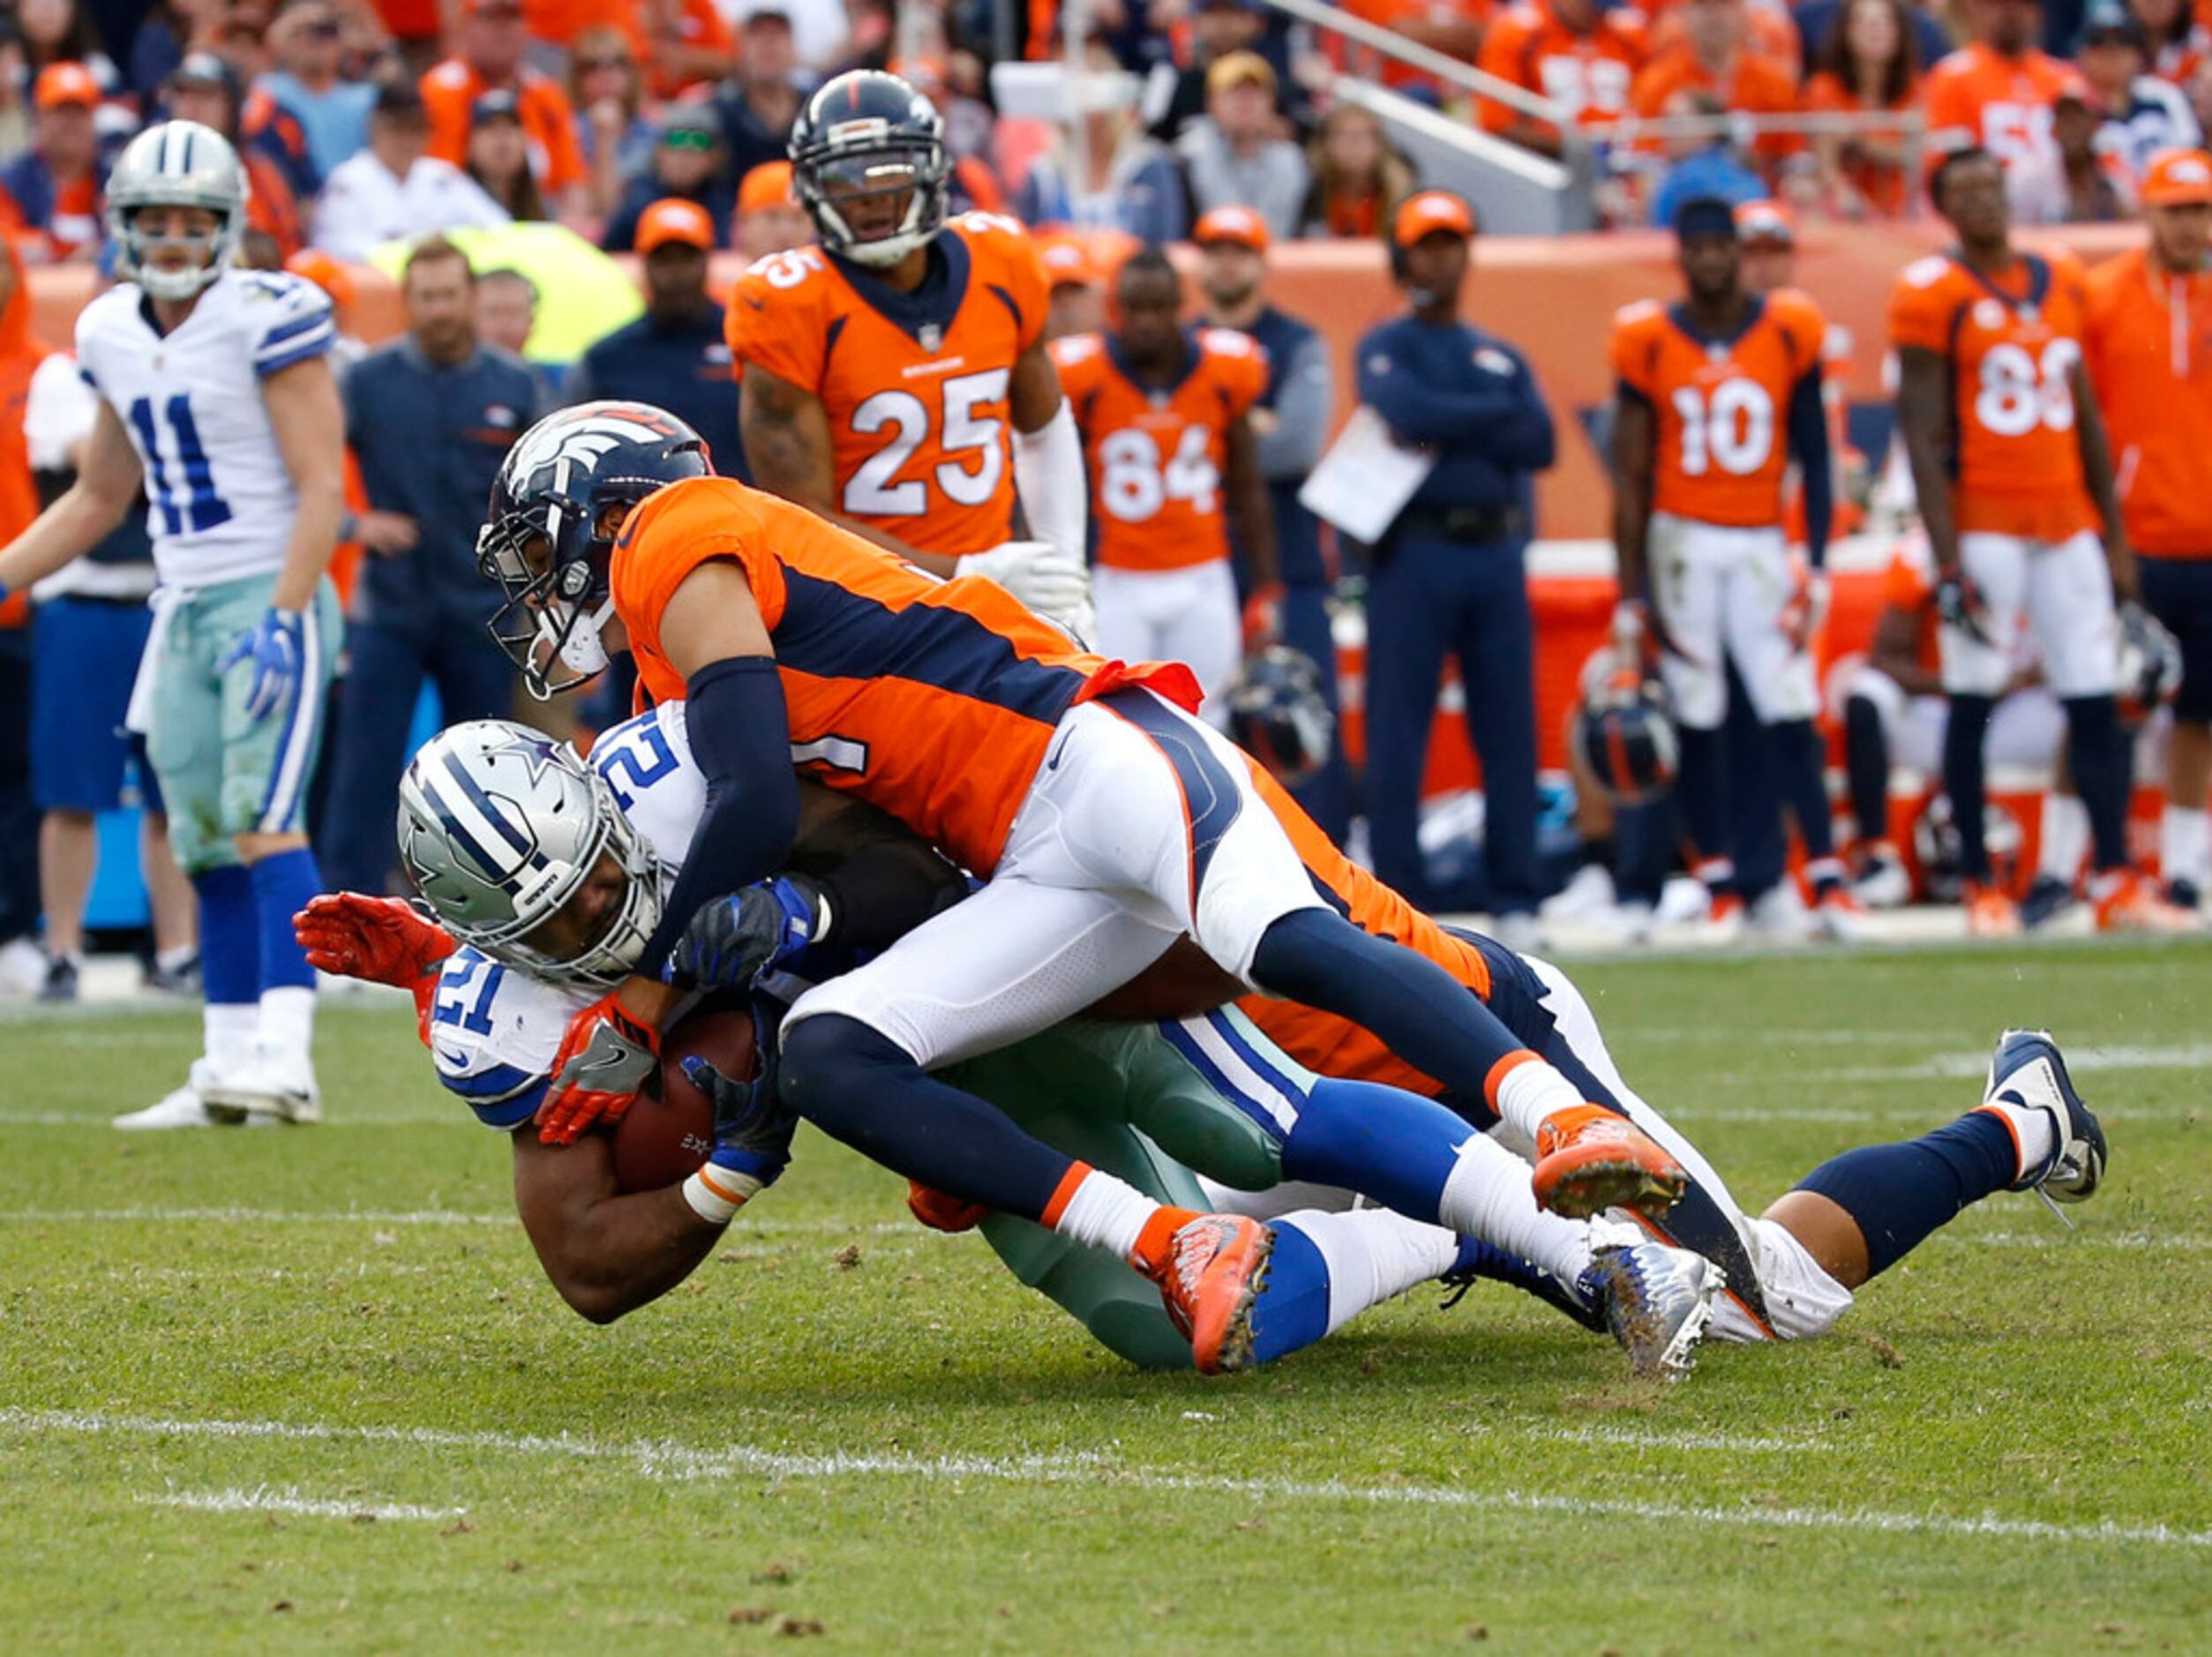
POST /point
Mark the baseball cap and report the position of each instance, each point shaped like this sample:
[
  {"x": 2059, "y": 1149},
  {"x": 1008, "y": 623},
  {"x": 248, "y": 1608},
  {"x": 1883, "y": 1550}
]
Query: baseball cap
[
  {"x": 2178, "y": 178},
  {"x": 2108, "y": 20},
  {"x": 1428, "y": 214},
  {"x": 2076, "y": 89},
  {"x": 496, "y": 105},
  {"x": 1237, "y": 68},
  {"x": 767, "y": 185},
  {"x": 64, "y": 83},
  {"x": 1765, "y": 223},
  {"x": 1240, "y": 225},
  {"x": 401, "y": 96},
  {"x": 1705, "y": 215},
  {"x": 673, "y": 219},
  {"x": 746, "y": 11},
  {"x": 1066, "y": 263},
  {"x": 203, "y": 69}
]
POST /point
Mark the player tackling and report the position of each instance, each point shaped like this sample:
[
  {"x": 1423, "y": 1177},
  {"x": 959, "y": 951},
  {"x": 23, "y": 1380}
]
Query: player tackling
[{"x": 215, "y": 394}]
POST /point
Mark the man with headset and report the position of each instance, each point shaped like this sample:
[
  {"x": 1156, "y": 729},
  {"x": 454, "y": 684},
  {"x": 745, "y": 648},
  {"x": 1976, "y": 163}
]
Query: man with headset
[{"x": 1448, "y": 577}]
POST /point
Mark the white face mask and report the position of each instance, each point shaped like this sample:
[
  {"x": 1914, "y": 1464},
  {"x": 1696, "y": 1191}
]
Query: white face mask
[{"x": 582, "y": 653}]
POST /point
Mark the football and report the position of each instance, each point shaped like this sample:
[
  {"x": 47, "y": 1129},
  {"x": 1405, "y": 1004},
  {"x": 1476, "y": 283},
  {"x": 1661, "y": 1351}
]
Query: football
[{"x": 663, "y": 1140}]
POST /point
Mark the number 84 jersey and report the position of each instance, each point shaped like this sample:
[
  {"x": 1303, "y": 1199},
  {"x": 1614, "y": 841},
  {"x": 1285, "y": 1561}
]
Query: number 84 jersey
[
  {"x": 2010, "y": 344},
  {"x": 916, "y": 384},
  {"x": 1720, "y": 406},
  {"x": 219, "y": 500}
]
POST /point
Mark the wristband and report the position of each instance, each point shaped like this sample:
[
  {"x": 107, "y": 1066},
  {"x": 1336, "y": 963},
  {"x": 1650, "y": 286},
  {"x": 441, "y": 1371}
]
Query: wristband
[{"x": 716, "y": 1194}]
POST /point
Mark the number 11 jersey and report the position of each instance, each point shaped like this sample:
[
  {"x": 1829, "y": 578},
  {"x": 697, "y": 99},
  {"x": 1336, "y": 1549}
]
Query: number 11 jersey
[
  {"x": 916, "y": 384},
  {"x": 219, "y": 500}
]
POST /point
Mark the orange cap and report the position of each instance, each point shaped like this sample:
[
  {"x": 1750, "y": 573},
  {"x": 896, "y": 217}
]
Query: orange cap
[
  {"x": 324, "y": 272},
  {"x": 1428, "y": 213},
  {"x": 65, "y": 83},
  {"x": 673, "y": 219},
  {"x": 1067, "y": 262},
  {"x": 2178, "y": 178},
  {"x": 1765, "y": 223},
  {"x": 1240, "y": 225},
  {"x": 767, "y": 185}
]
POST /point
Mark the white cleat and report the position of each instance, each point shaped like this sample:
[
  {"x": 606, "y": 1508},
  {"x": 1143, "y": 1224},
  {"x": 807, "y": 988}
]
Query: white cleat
[
  {"x": 1588, "y": 896},
  {"x": 22, "y": 969},
  {"x": 187, "y": 1107},
  {"x": 1779, "y": 914},
  {"x": 1657, "y": 1298},
  {"x": 1883, "y": 884},
  {"x": 268, "y": 1086}
]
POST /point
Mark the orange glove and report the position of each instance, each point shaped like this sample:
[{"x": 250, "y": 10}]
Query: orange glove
[
  {"x": 381, "y": 940},
  {"x": 603, "y": 1059},
  {"x": 941, "y": 1212}
]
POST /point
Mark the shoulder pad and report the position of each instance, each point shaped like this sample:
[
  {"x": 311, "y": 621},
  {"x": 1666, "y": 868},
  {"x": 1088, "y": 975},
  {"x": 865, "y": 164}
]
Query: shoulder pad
[
  {"x": 775, "y": 274},
  {"x": 1228, "y": 342},
  {"x": 991, "y": 226},
  {"x": 1926, "y": 273},
  {"x": 1635, "y": 315},
  {"x": 1071, "y": 348}
]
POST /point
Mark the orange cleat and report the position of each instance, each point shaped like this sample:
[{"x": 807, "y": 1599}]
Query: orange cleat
[
  {"x": 941, "y": 1212},
  {"x": 1589, "y": 1159},
  {"x": 1989, "y": 913},
  {"x": 2134, "y": 905},
  {"x": 1213, "y": 1271}
]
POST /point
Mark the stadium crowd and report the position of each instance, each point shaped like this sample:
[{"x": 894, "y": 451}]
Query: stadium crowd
[{"x": 660, "y": 129}]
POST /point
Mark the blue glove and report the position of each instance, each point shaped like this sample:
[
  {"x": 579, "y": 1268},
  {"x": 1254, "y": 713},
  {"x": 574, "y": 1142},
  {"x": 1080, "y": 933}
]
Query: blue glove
[
  {"x": 733, "y": 942},
  {"x": 753, "y": 1125},
  {"x": 274, "y": 645}
]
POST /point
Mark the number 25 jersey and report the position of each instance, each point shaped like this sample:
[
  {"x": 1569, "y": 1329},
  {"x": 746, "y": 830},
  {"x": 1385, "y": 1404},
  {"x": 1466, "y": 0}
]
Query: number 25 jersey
[
  {"x": 219, "y": 500},
  {"x": 2009, "y": 346},
  {"x": 1156, "y": 456},
  {"x": 1721, "y": 407},
  {"x": 915, "y": 385}
]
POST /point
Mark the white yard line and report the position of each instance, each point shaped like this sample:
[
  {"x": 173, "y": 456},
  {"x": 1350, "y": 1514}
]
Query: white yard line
[
  {"x": 261, "y": 1499},
  {"x": 661, "y": 1459},
  {"x": 1630, "y": 1438}
]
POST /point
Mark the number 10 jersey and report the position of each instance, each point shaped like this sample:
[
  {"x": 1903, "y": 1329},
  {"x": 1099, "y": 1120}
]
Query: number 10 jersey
[
  {"x": 219, "y": 500},
  {"x": 916, "y": 384}
]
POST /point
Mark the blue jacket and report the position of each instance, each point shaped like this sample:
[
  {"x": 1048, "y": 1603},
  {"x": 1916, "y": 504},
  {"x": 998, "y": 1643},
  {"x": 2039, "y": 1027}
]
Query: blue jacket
[
  {"x": 718, "y": 196},
  {"x": 1468, "y": 395},
  {"x": 683, "y": 367},
  {"x": 430, "y": 440}
]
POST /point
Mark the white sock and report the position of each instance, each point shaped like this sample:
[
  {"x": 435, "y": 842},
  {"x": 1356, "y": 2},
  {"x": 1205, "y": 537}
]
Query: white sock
[
  {"x": 1373, "y": 1255},
  {"x": 227, "y": 1030},
  {"x": 2034, "y": 1132},
  {"x": 1107, "y": 1213},
  {"x": 1530, "y": 1091},
  {"x": 1487, "y": 1196},
  {"x": 288, "y": 1021},
  {"x": 2184, "y": 846},
  {"x": 2065, "y": 837}
]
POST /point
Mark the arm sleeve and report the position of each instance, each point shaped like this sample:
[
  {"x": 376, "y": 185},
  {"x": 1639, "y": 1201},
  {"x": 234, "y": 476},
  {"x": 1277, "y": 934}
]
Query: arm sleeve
[
  {"x": 1048, "y": 475},
  {"x": 1304, "y": 399},
  {"x": 1809, "y": 443},
  {"x": 740, "y": 737}
]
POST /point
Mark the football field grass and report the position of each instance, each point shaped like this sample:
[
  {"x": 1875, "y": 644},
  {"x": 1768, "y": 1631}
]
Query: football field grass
[{"x": 307, "y": 1389}]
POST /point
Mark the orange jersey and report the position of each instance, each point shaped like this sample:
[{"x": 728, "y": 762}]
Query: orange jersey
[
  {"x": 1325, "y": 1042},
  {"x": 2004, "y": 104},
  {"x": 1721, "y": 408},
  {"x": 1589, "y": 73},
  {"x": 931, "y": 700},
  {"x": 1884, "y": 187},
  {"x": 915, "y": 385},
  {"x": 1156, "y": 457},
  {"x": 450, "y": 88},
  {"x": 2010, "y": 346},
  {"x": 1753, "y": 85},
  {"x": 2147, "y": 339}
]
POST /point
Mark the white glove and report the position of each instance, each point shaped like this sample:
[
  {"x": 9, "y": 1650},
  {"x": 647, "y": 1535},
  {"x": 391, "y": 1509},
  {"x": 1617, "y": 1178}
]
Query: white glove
[{"x": 1038, "y": 573}]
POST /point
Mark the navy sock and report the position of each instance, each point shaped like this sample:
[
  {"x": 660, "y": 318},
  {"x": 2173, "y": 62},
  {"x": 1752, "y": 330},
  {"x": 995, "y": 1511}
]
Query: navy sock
[
  {"x": 1419, "y": 1011},
  {"x": 1391, "y": 1147},
  {"x": 2098, "y": 749},
  {"x": 1866, "y": 759},
  {"x": 858, "y": 1085},
  {"x": 1646, "y": 836},
  {"x": 1963, "y": 780},
  {"x": 1291, "y": 1310},
  {"x": 229, "y": 937},
  {"x": 1702, "y": 788},
  {"x": 1799, "y": 764},
  {"x": 282, "y": 885},
  {"x": 1900, "y": 1194}
]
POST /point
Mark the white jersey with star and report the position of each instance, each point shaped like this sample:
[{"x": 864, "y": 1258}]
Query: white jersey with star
[
  {"x": 219, "y": 500},
  {"x": 494, "y": 1031}
]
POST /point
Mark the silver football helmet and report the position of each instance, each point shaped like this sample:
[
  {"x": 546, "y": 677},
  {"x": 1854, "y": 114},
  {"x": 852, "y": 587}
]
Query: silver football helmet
[
  {"x": 501, "y": 826},
  {"x": 176, "y": 164}
]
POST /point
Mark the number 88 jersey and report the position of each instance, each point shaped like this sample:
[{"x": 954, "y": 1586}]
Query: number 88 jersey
[
  {"x": 915, "y": 385},
  {"x": 2009, "y": 345},
  {"x": 1156, "y": 456},
  {"x": 1720, "y": 407}
]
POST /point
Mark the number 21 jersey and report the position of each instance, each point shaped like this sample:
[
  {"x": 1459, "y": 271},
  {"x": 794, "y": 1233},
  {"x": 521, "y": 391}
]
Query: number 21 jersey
[
  {"x": 915, "y": 385},
  {"x": 2009, "y": 345},
  {"x": 219, "y": 500}
]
